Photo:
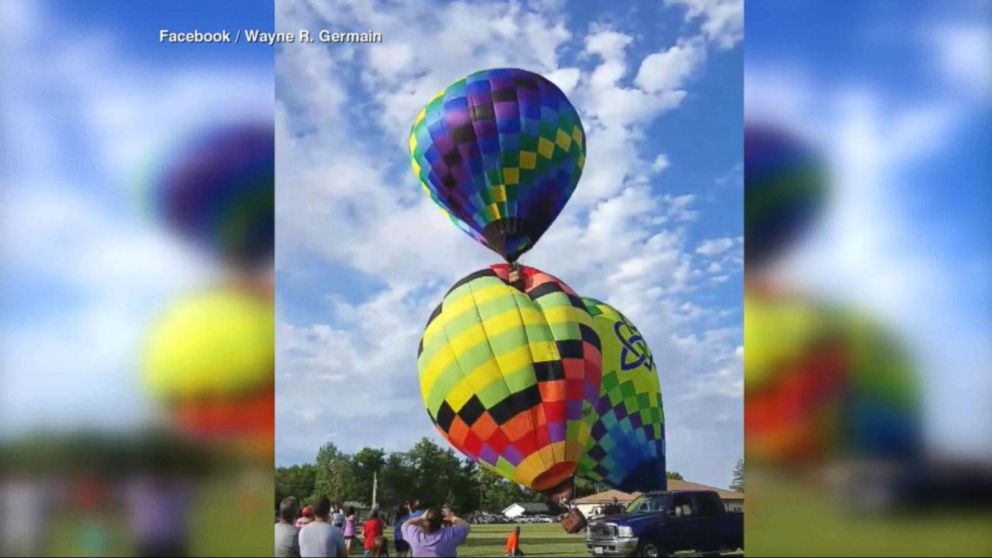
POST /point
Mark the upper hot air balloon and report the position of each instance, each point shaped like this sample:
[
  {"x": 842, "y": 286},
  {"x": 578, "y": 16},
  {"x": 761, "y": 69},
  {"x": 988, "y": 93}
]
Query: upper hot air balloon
[
  {"x": 508, "y": 375},
  {"x": 627, "y": 449},
  {"x": 217, "y": 191},
  {"x": 785, "y": 189},
  {"x": 500, "y": 151}
]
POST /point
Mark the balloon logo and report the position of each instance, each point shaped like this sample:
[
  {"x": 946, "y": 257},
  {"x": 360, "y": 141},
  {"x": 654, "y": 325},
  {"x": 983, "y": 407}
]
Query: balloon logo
[
  {"x": 627, "y": 450},
  {"x": 508, "y": 375},
  {"x": 500, "y": 151},
  {"x": 634, "y": 352}
]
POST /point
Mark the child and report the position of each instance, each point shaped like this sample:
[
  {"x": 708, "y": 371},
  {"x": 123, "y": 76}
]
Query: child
[{"x": 513, "y": 544}]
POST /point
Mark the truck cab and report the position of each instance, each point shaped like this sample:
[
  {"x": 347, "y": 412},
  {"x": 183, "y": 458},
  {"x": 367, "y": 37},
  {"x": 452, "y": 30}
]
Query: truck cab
[{"x": 662, "y": 523}]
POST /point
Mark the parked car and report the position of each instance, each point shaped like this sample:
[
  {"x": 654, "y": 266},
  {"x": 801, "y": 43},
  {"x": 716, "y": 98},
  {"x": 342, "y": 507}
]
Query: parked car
[
  {"x": 662, "y": 523},
  {"x": 490, "y": 519}
]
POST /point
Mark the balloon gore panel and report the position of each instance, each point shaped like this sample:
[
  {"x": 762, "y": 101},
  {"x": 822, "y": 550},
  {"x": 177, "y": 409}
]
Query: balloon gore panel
[{"x": 509, "y": 375}]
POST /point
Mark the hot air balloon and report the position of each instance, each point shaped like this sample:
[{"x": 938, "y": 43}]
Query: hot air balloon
[
  {"x": 822, "y": 382},
  {"x": 508, "y": 375},
  {"x": 500, "y": 151},
  {"x": 627, "y": 449},
  {"x": 784, "y": 191},
  {"x": 217, "y": 191},
  {"x": 210, "y": 361}
]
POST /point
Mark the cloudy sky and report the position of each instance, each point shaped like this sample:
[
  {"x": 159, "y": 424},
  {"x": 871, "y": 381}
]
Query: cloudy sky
[
  {"x": 901, "y": 109},
  {"x": 89, "y": 98},
  {"x": 654, "y": 227}
]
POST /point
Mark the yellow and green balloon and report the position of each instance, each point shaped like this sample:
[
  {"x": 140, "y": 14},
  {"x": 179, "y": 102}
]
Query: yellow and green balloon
[
  {"x": 210, "y": 361},
  {"x": 627, "y": 447}
]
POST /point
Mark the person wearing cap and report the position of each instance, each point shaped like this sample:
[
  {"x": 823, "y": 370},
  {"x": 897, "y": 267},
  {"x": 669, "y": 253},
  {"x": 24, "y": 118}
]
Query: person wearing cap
[{"x": 306, "y": 516}]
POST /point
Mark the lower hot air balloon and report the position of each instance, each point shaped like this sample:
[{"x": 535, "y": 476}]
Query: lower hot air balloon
[
  {"x": 627, "y": 449},
  {"x": 509, "y": 369},
  {"x": 822, "y": 382},
  {"x": 210, "y": 361}
]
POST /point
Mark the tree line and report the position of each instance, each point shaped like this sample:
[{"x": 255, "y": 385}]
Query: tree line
[{"x": 427, "y": 472}]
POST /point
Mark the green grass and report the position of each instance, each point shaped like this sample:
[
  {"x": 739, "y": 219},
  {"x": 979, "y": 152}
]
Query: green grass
[
  {"x": 784, "y": 518},
  {"x": 539, "y": 539}
]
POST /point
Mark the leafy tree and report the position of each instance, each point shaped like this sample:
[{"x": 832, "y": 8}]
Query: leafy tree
[
  {"x": 737, "y": 483},
  {"x": 297, "y": 481},
  {"x": 463, "y": 486},
  {"x": 440, "y": 476},
  {"x": 584, "y": 487},
  {"x": 395, "y": 480},
  {"x": 498, "y": 493},
  {"x": 333, "y": 473},
  {"x": 674, "y": 475},
  {"x": 364, "y": 466}
]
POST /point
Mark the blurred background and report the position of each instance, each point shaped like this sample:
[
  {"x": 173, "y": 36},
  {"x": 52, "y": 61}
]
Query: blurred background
[
  {"x": 868, "y": 253},
  {"x": 136, "y": 324}
]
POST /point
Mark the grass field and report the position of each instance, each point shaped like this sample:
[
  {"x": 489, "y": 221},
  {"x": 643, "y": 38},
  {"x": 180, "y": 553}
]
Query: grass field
[
  {"x": 539, "y": 539},
  {"x": 790, "y": 519},
  {"x": 782, "y": 521}
]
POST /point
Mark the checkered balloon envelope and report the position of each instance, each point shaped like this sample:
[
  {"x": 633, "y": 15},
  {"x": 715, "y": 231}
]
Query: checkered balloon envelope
[
  {"x": 500, "y": 152},
  {"x": 509, "y": 374},
  {"x": 627, "y": 426},
  {"x": 216, "y": 190}
]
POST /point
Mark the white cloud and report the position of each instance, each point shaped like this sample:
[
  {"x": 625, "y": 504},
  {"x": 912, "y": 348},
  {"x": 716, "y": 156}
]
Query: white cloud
[
  {"x": 961, "y": 54},
  {"x": 671, "y": 69},
  {"x": 715, "y": 246},
  {"x": 722, "y": 20},
  {"x": 660, "y": 163}
]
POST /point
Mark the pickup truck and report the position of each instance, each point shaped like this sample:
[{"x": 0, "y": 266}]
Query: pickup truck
[{"x": 662, "y": 523}]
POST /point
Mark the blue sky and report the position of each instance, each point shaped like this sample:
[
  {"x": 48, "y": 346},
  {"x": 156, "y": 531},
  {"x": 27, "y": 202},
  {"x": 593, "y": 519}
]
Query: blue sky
[
  {"x": 90, "y": 100},
  {"x": 653, "y": 228},
  {"x": 900, "y": 103}
]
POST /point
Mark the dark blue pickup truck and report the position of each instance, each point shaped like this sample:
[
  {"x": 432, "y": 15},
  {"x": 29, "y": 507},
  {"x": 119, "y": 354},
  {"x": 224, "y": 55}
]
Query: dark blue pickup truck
[{"x": 662, "y": 523}]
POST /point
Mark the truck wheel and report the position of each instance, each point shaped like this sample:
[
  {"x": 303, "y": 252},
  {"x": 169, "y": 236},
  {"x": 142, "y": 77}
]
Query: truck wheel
[{"x": 649, "y": 550}]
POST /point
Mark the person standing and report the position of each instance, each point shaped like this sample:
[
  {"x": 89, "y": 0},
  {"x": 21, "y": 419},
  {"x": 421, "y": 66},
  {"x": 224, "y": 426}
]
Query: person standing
[
  {"x": 513, "y": 544},
  {"x": 337, "y": 518},
  {"x": 306, "y": 516},
  {"x": 402, "y": 514},
  {"x": 320, "y": 539},
  {"x": 433, "y": 535},
  {"x": 159, "y": 504},
  {"x": 287, "y": 535},
  {"x": 371, "y": 529},
  {"x": 405, "y": 512},
  {"x": 350, "y": 518}
]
